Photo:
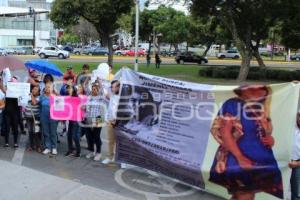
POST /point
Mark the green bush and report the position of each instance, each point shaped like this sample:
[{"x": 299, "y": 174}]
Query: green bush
[{"x": 255, "y": 73}]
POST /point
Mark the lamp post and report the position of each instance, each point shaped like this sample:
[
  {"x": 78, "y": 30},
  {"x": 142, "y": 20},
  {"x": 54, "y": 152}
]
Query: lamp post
[
  {"x": 33, "y": 13},
  {"x": 137, "y": 13}
]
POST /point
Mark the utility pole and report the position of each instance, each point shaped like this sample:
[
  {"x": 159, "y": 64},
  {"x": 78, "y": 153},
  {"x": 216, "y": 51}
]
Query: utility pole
[
  {"x": 32, "y": 13},
  {"x": 137, "y": 13}
]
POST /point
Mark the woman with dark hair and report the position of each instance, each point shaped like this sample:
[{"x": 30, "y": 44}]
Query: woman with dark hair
[
  {"x": 32, "y": 116},
  {"x": 73, "y": 129},
  {"x": 49, "y": 126},
  {"x": 244, "y": 162},
  {"x": 48, "y": 78},
  {"x": 93, "y": 121}
]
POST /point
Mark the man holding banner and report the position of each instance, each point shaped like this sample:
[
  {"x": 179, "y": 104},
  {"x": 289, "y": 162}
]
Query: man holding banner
[{"x": 111, "y": 117}]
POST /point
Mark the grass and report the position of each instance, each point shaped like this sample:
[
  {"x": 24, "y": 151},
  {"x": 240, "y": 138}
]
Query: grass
[{"x": 174, "y": 71}]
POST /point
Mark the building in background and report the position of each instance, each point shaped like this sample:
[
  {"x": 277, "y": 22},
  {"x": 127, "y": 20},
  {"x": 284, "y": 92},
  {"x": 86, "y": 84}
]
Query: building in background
[{"x": 16, "y": 28}]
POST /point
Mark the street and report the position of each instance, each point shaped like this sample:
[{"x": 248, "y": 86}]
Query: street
[
  {"x": 165, "y": 60},
  {"x": 32, "y": 175}
]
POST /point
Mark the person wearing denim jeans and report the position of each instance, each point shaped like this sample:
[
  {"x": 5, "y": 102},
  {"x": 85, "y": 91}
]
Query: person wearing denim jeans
[
  {"x": 74, "y": 131},
  {"x": 295, "y": 163},
  {"x": 49, "y": 126},
  {"x": 74, "y": 134}
]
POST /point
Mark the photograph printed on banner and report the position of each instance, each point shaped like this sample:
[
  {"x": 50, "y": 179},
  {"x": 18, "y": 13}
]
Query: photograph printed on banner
[
  {"x": 140, "y": 109},
  {"x": 243, "y": 124}
]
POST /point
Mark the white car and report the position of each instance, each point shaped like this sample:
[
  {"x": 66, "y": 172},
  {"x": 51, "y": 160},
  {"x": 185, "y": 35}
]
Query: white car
[
  {"x": 46, "y": 52},
  {"x": 2, "y": 52},
  {"x": 121, "y": 52},
  {"x": 234, "y": 54}
]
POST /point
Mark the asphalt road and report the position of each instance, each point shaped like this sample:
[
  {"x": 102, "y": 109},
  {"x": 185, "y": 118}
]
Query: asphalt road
[
  {"x": 133, "y": 183},
  {"x": 122, "y": 59}
]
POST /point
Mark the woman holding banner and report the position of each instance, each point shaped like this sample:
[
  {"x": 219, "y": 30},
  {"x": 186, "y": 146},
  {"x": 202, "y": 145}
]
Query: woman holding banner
[
  {"x": 49, "y": 125},
  {"x": 244, "y": 162},
  {"x": 94, "y": 118},
  {"x": 74, "y": 132}
]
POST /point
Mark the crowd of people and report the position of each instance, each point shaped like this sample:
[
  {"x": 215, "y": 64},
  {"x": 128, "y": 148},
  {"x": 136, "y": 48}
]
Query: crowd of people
[{"x": 43, "y": 130}]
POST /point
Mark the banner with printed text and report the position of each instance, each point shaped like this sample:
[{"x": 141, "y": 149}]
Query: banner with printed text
[{"x": 228, "y": 140}]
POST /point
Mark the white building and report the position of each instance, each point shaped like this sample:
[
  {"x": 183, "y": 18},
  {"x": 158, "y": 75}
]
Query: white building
[{"x": 16, "y": 25}]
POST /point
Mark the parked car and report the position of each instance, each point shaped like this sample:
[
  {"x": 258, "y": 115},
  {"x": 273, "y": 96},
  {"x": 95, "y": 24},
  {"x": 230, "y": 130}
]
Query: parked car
[
  {"x": 190, "y": 57},
  {"x": 27, "y": 50},
  {"x": 78, "y": 51},
  {"x": 168, "y": 53},
  {"x": 10, "y": 51},
  {"x": 141, "y": 52},
  {"x": 36, "y": 50},
  {"x": 86, "y": 50},
  {"x": 2, "y": 52},
  {"x": 68, "y": 48},
  {"x": 121, "y": 52},
  {"x": 20, "y": 51},
  {"x": 295, "y": 57},
  {"x": 234, "y": 54},
  {"x": 53, "y": 52},
  {"x": 98, "y": 51}
]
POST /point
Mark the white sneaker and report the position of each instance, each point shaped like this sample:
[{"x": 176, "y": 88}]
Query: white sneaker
[
  {"x": 54, "y": 151},
  {"x": 90, "y": 155},
  {"x": 107, "y": 161},
  {"x": 97, "y": 157},
  {"x": 46, "y": 151}
]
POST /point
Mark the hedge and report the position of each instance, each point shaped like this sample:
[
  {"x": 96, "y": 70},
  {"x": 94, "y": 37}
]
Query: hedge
[{"x": 255, "y": 73}]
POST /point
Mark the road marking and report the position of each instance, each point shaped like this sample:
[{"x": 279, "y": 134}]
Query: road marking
[
  {"x": 165, "y": 184},
  {"x": 19, "y": 152}
]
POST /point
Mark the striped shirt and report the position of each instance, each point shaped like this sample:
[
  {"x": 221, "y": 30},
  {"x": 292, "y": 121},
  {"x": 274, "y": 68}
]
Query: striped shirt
[{"x": 32, "y": 109}]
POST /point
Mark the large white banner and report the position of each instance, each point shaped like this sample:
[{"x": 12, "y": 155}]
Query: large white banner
[{"x": 228, "y": 140}]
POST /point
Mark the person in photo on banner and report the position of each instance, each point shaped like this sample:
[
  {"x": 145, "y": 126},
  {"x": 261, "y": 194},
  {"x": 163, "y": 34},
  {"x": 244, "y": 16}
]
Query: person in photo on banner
[
  {"x": 244, "y": 162},
  {"x": 294, "y": 164},
  {"x": 49, "y": 126}
]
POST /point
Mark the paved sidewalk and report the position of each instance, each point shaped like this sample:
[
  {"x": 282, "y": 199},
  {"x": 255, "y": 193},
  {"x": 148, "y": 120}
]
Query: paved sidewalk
[{"x": 18, "y": 182}]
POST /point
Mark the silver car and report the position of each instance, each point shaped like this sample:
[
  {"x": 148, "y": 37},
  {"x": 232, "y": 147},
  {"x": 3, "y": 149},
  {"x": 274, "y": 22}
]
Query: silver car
[{"x": 234, "y": 54}]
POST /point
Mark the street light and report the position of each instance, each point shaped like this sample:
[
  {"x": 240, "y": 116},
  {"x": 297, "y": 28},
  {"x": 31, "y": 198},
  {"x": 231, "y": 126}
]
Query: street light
[
  {"x": 137, "y": 13},
  {"x": 33, "y": 13}
]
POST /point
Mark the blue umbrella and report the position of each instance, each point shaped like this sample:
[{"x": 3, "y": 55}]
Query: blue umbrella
[{"x": 44, "y": 67}]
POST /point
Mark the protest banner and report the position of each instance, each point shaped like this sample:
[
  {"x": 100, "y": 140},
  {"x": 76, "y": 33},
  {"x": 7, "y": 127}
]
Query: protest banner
[
  {"x": 67, "y": 108},
  {"x": 20, "y": 91},
  {"x": 227, "y": 140}
]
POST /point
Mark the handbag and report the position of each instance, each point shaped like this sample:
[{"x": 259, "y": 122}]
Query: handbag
[{"x": 36, "y": 124}]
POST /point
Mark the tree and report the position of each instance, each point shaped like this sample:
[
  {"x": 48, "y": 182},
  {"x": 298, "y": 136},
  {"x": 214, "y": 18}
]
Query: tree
[
  {"x": 290, "y": 27},
  {"x": 248, "y": 22},
  {"x": 175, "y": 28},
  {"x": 102, "y": 14},
  {"x": 173, "y": 25},
  {"x": 85, "y": 31},
  {"x": 207, "y": 31},
  {"x": 69, "y": 37},
  {"x": 146, "y": 27}
]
